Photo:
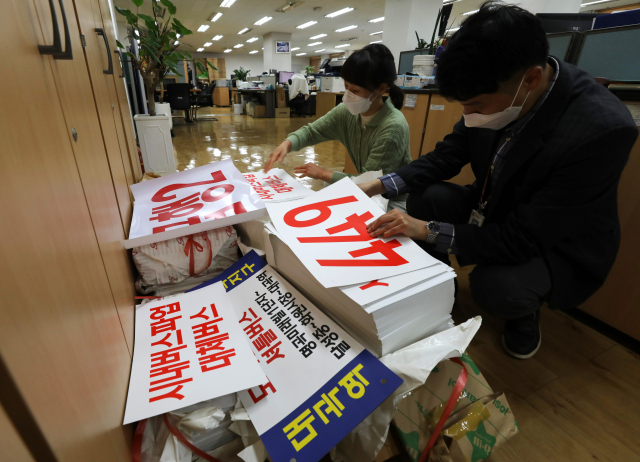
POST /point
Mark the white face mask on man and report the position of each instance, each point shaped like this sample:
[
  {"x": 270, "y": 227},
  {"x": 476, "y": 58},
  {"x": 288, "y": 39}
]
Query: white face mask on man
[
  {"x": 357, "y": 104},
  {"x": 499, "y": 120}
]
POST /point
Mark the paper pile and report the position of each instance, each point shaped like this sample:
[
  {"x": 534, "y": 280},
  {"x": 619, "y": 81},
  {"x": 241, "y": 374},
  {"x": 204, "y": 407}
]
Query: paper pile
[{"x": 311, "y": 242}]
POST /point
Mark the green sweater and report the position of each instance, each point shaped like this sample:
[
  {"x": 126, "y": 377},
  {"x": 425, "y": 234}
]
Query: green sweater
[{"x": 383, "y": 145}]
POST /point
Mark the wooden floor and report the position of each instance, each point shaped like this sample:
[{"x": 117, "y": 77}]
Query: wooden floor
[{"x": 577, "y": 400}]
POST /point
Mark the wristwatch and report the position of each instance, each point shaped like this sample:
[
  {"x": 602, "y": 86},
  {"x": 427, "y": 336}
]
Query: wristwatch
[{"x": 434, "y": 230}]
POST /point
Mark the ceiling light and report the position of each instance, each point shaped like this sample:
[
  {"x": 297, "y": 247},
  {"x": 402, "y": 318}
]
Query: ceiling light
[
  {"x": 346, "y": 28},
  {"x": 296, "y": 48},
  {"x": 239, "y": 45},
  {"x": 244, "y": 31},
  {"x": 342, "y": 46},
  {"x": 593, "y": 3},
  {"x": 318, "y": 51},
  {"x": 314, "y": 43},
  {"x": 262, "y": 21},
  {"x": 288, "y": 6},
  {"x": 200, "y": 49},
  {"x": 227, "y": 3},
  {"x": 300, "y": 54},
  {"x": 339, "y": 12},
  {"x": 252, "y": 39},
  {"x": 377, "y": 41},
  {"x": 317, "y": 36},
  {"x": 178, "y": 35},
  {"x": 453, "y": 30},
  {"x": 470, "y": 12},
  {"x": 376, "y": 33},
  {"x": 208, "y": 44},
  {"x": 228, "y": 50},
  {"x": 307, "y": 24},
  {"x": 217, "y": 37},
  {"x": 377, "y": 19},
  {"x": 253, "y": 52},
  {"x": 203, "y": 28},
  {"x": 215, "y": 17},
  {"x": 176, "y": 43}
]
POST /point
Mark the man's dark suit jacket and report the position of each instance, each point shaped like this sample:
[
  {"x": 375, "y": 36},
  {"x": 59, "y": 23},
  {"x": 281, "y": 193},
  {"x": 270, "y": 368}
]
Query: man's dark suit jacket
[{"x": 556, "y": 196}]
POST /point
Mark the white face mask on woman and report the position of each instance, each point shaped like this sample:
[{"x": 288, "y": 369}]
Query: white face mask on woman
[
  {"x": 357, "y": 104},
  {"x": 499, "y": 120}
]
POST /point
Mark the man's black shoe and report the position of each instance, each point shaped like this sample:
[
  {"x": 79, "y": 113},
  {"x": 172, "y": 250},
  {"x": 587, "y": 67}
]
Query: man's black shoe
[{"x": 521, "y": 338}]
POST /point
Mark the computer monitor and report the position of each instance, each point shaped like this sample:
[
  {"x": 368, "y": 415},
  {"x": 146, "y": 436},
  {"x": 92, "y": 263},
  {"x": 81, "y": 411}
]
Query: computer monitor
[
  {"x": 283, "y": 77},
  {"x": 612, "y": 53},
  {"x": 565, "y": 45},
  {"x": 405, "y": 63}
]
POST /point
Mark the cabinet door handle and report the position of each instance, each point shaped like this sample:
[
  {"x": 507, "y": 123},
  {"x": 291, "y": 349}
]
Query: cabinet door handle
[
  {"x": 56, "y": 49},
  {"x": 106, "y": 43}
]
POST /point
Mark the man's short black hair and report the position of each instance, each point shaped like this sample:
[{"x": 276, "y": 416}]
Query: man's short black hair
[{"x": 490, "y": 48}]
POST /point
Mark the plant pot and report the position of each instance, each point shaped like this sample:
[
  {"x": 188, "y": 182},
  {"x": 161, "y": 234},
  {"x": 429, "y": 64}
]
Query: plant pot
[
  {"x": 154, "y": 135},
  {"x": 165, "y": 108}
]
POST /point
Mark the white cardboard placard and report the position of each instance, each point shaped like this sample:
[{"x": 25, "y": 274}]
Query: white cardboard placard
[
  {"x": 188, "y": 202},
  {"x": 188, "y": 348},
  {"x": 277, "y": 185},
  {"x": 327, "y": 231}
]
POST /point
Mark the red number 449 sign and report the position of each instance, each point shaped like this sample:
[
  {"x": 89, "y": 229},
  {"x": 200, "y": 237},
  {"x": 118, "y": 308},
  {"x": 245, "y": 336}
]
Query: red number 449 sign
[{"x": 327, "y": 232}]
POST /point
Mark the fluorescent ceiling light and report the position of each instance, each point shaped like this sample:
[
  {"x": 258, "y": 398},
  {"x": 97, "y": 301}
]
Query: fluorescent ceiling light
[
  {"x": 176, "y": 43},
  {"x": 377, "y": 41},
  {"x": 239, "y": 45},
  {"x": 200, "y": 49},
  {"x": 215, "y": 17},
  {"x": 208, "y": 44},
  {"x": 377, "y": 19},
  {"x": 252, "y": 39},
  {"x": 339, "y": 12},
  {"x": 301, "y": 54},
  {"x": 307, "y": 24},
  {"x": 470, "y": 12},
  {"x": 342, "y": 46},
  {"x": 376, "y": 33},
  {"x": 453, "y": 30},
  {"x": 243, "y": 31},
  {"x": 318, "y": 51},
  {"x": 593, "y": 3},
  {"x": 317, "y": 36},
  {"x": 346, "y": 28},
  {"x": 253, "y": 52},
  {"x": 203, "y": 28},
  {"x": 217, "y": 37},
  {"x": 228, "y": 50},
  {"x": 296, "y": 48},
  {"x": 227, "y": 3},
  {"x": 177, "y": 35},
  {"x": 314, "y": 43},
  {"x": 262, "y": 21}
]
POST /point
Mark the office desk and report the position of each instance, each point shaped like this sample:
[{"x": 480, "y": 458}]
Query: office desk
[
  {"x": 269, "y": 97},
  {"x": 325, "y": 101}
]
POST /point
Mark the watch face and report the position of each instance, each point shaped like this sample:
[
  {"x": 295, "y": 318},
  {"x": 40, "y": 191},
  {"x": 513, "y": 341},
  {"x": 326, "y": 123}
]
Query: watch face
[{"x": 434, "y": 227}]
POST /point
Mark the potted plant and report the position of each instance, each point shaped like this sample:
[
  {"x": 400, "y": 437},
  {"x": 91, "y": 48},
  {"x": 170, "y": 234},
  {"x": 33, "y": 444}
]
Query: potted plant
[
  {"x": 309, "y": 70},
  {"x": 158, "y": 55},
  {"x": 241, "y": 74}
]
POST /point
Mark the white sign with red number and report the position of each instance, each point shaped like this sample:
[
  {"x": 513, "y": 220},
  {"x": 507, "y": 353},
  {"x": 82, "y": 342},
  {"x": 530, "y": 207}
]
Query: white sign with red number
[
  {"x": 277, "y": 185},
  {"x": 192, "y": 201},
  {"x": 188, "y": 348},
  {"x": 328, "y": 233}
]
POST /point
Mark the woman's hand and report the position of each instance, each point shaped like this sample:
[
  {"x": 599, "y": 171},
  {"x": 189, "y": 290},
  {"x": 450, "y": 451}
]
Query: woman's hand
[
  {"x": 396, "y": 222},
  {"x": 278, "y": 155},
  {"x": 314, "y": 171},
  {"x": 373, "y": 188}
]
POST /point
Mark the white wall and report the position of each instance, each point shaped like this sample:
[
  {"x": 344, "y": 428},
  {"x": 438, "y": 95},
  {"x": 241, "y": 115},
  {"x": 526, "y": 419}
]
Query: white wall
[{"x": 252, "y": 62}]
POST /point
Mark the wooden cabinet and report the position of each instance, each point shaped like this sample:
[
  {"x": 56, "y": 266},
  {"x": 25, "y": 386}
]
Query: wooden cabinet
[
  {"x": 221, "y": 96},
  {"x": 325, "y": 101},
  {"x": 67, "y": 311},
  {"x": 616, "y": 303},
  {"x": 416, "y": 118},
  {"x": 219, "y": 64}
]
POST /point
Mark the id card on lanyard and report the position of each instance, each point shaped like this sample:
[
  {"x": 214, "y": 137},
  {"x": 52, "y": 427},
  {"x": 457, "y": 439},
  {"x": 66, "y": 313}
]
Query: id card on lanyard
[{"x": 477, "y": 216}]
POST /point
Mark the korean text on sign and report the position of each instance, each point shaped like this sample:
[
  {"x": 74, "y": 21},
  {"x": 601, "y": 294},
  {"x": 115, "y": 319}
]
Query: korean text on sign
[{"x": 276, "y": 185}]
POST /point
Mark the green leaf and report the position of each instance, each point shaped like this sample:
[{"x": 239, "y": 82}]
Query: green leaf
[
  {"x": 138, "y": 3},
  {"x": 212, "y": 66},
  {"x": 188, "y": 55},
  {"x": 181, "y": 29},
  {"x": 119, "y": 44},
  {"x": 170, "y": 6},
  {"x": 150, "y": 52},
  {"x": 146, "y": 18}
]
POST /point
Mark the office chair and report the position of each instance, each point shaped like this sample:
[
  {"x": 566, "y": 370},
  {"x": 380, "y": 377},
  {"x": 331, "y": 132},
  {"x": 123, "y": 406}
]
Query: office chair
[
  {"x": 204, "y": 99},
  {"x": 180, "y": 99}
]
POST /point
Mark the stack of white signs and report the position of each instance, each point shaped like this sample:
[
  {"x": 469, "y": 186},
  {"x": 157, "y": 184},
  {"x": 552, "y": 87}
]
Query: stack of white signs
[
  {"x": 387, "y": 293},
  {"x": 208, "y": 197}
]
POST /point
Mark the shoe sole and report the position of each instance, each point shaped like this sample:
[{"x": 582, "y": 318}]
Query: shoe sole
[{"x": 518, "y": 356}]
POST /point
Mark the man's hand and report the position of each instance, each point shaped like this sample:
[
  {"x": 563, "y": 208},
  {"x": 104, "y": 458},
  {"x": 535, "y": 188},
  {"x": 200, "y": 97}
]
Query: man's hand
[
  {"x": 278, "y": 155},
  {"x": 396, "y": 222},
  {"x": 314, "y": 171},
  {"x": 373, "y": 188}
]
